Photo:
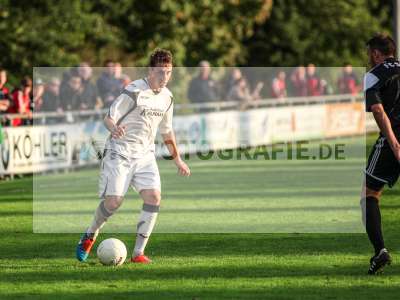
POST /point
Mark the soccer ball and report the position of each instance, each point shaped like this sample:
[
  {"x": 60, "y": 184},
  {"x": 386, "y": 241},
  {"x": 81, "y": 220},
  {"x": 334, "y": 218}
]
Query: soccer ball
[{"x": 111, "y": 252}]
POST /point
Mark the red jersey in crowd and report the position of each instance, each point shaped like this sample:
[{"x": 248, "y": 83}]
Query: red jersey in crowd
[
  {"x": 20, "y": 104},
  {"x": 348, "y": 84},
  {"x": 278, "y": 88},
  {"x": 314, "y": 86}
]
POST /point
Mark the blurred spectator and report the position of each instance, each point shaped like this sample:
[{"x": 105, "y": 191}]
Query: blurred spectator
[
  {"x": 89, "y": 96},
  {"x": 240, "y": 92},
  {"x": 256, "y": 92},
  {"x": 202, "y": 88},
  {"x": 314, "y": 87},
  {"x": 38, "y": 90},
  {"x": 279, "y": 85},
  {"x": 71, "y": 93},
  {"x": 108, "y": 85},
  {"x": 326, "y": 88},
  {"x": 51, "y": 96},
  {"x": 348, "y": 82},
  {"x": 65, "y": 87},
  {"x": 21, "y": 102},
  {"x": 299, "y": 82},
  {"x": 121, "y": 78},
  {"x": 4, "y": 92},
  {"x": 234, "y": 76},
  {"x": 230, "y": 81}
]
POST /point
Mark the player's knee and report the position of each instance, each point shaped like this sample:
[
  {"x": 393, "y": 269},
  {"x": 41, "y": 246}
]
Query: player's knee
[
  {"x": 372, "y": 193},
  {"x": 152, "y": 197},
  {"x": 112, "y": 203}
]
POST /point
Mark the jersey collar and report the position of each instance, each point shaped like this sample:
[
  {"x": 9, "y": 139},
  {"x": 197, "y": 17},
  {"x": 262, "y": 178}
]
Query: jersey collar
[{"x": 163, "y": 90}]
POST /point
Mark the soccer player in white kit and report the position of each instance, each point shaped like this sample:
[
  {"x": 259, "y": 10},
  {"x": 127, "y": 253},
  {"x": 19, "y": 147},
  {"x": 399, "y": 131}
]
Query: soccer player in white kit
[{"x": 133, "y": 118}]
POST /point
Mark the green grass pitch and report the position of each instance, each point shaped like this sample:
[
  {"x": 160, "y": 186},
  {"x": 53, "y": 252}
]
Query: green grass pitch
[{"x": 193, "y": 265}]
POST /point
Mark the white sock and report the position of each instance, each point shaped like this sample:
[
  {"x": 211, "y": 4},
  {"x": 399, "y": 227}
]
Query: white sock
[
  {"x": 100, "y": 218},
  {"x": 147, "y": 220}
]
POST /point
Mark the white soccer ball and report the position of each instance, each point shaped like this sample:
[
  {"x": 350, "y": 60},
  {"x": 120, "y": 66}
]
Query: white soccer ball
[{"x": 111, "y": 252}]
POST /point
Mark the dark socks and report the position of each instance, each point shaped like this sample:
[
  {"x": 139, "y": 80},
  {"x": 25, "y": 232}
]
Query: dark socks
[{"x": 373, "y": 223}]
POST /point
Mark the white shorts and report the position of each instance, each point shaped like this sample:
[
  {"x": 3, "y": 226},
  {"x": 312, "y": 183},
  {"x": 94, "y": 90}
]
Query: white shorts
[{"x": 118, "y": 173}]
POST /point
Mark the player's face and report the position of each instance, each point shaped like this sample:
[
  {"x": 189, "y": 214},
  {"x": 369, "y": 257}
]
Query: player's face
[
  {"x": 374, "y": 57},
  {"x": 160, "y": 75}
]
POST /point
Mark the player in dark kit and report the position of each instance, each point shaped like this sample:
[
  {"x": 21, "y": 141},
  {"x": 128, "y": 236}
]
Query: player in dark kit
[{"x": 382, "y": 95}]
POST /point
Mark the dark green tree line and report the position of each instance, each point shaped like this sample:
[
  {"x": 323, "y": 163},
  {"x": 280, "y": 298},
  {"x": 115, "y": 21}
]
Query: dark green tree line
[{"x": 229, "y": 32}]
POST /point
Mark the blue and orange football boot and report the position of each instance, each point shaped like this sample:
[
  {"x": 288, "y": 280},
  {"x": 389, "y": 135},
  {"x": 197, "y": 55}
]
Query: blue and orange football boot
[{"x": 84, "y": 246}]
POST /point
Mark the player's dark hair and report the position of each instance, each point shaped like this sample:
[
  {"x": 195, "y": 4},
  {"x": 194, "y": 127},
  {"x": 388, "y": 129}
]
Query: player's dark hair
[
  {"x": 160, "y": 57},
  {"x": 383, "y": 43}
]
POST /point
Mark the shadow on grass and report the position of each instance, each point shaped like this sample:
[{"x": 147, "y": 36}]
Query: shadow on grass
[
  {"x": 95, "y": 274},
  {"x": 15, "y": 213},
  {"x": 167, "y": 285},
  {"x": 38, "y": 246}
]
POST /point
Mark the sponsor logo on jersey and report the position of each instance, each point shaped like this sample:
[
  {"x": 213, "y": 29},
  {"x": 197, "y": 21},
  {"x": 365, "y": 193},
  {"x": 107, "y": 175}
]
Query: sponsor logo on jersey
[{"x": 148, "y": 112}]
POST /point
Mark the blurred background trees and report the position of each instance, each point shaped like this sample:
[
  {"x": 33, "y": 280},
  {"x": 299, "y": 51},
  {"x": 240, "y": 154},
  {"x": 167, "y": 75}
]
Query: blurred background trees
[{"x": 227, "y": 33}]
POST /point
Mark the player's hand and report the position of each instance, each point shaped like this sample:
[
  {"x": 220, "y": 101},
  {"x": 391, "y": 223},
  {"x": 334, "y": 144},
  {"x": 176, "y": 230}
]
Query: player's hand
[
  {"x": 118, "y": 132},
  {"x": 183, "y": 168}
]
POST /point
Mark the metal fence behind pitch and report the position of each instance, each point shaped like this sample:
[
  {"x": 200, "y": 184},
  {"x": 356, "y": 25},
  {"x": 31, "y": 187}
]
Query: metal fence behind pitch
[{"x": 41, "y": 118}]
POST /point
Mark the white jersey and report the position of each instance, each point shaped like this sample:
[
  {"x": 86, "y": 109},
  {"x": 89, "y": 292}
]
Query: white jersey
[{"x": 141, "y": 111}]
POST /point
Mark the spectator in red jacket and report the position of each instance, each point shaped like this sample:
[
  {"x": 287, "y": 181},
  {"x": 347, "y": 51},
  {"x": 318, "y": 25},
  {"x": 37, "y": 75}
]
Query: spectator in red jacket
[
  {"x": 279, "y": 85},
  {"x": 21, "y": 101},
  {"x": 314, "y": 87},
  {"x": 348, "y": 83}
]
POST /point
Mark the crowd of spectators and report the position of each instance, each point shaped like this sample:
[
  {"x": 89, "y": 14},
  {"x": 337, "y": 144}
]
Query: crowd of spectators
[
  {"x": 301, "y": 82},
  {"x": 16, "y": 101},
  {"x": 78, "y": 90}
]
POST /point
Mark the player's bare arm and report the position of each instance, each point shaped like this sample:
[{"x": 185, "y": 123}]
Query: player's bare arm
[
  {"x": 385, "y": 126},
  {"x": 170, "y": 142},
  {"x": 115, "y": 130}
]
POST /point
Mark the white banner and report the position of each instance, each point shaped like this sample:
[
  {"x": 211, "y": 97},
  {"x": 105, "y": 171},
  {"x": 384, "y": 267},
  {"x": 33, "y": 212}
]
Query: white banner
[
  {"x": 36, "y": 149},
  {"x": 41, "y": 148}
]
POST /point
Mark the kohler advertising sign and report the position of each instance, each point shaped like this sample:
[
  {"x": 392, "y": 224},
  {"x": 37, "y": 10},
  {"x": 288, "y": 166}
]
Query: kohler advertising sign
[{"x": 35, "y": 149}]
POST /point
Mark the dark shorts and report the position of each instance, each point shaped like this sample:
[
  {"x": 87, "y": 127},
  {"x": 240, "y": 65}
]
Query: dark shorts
[{"x": 382, "y": 167}]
